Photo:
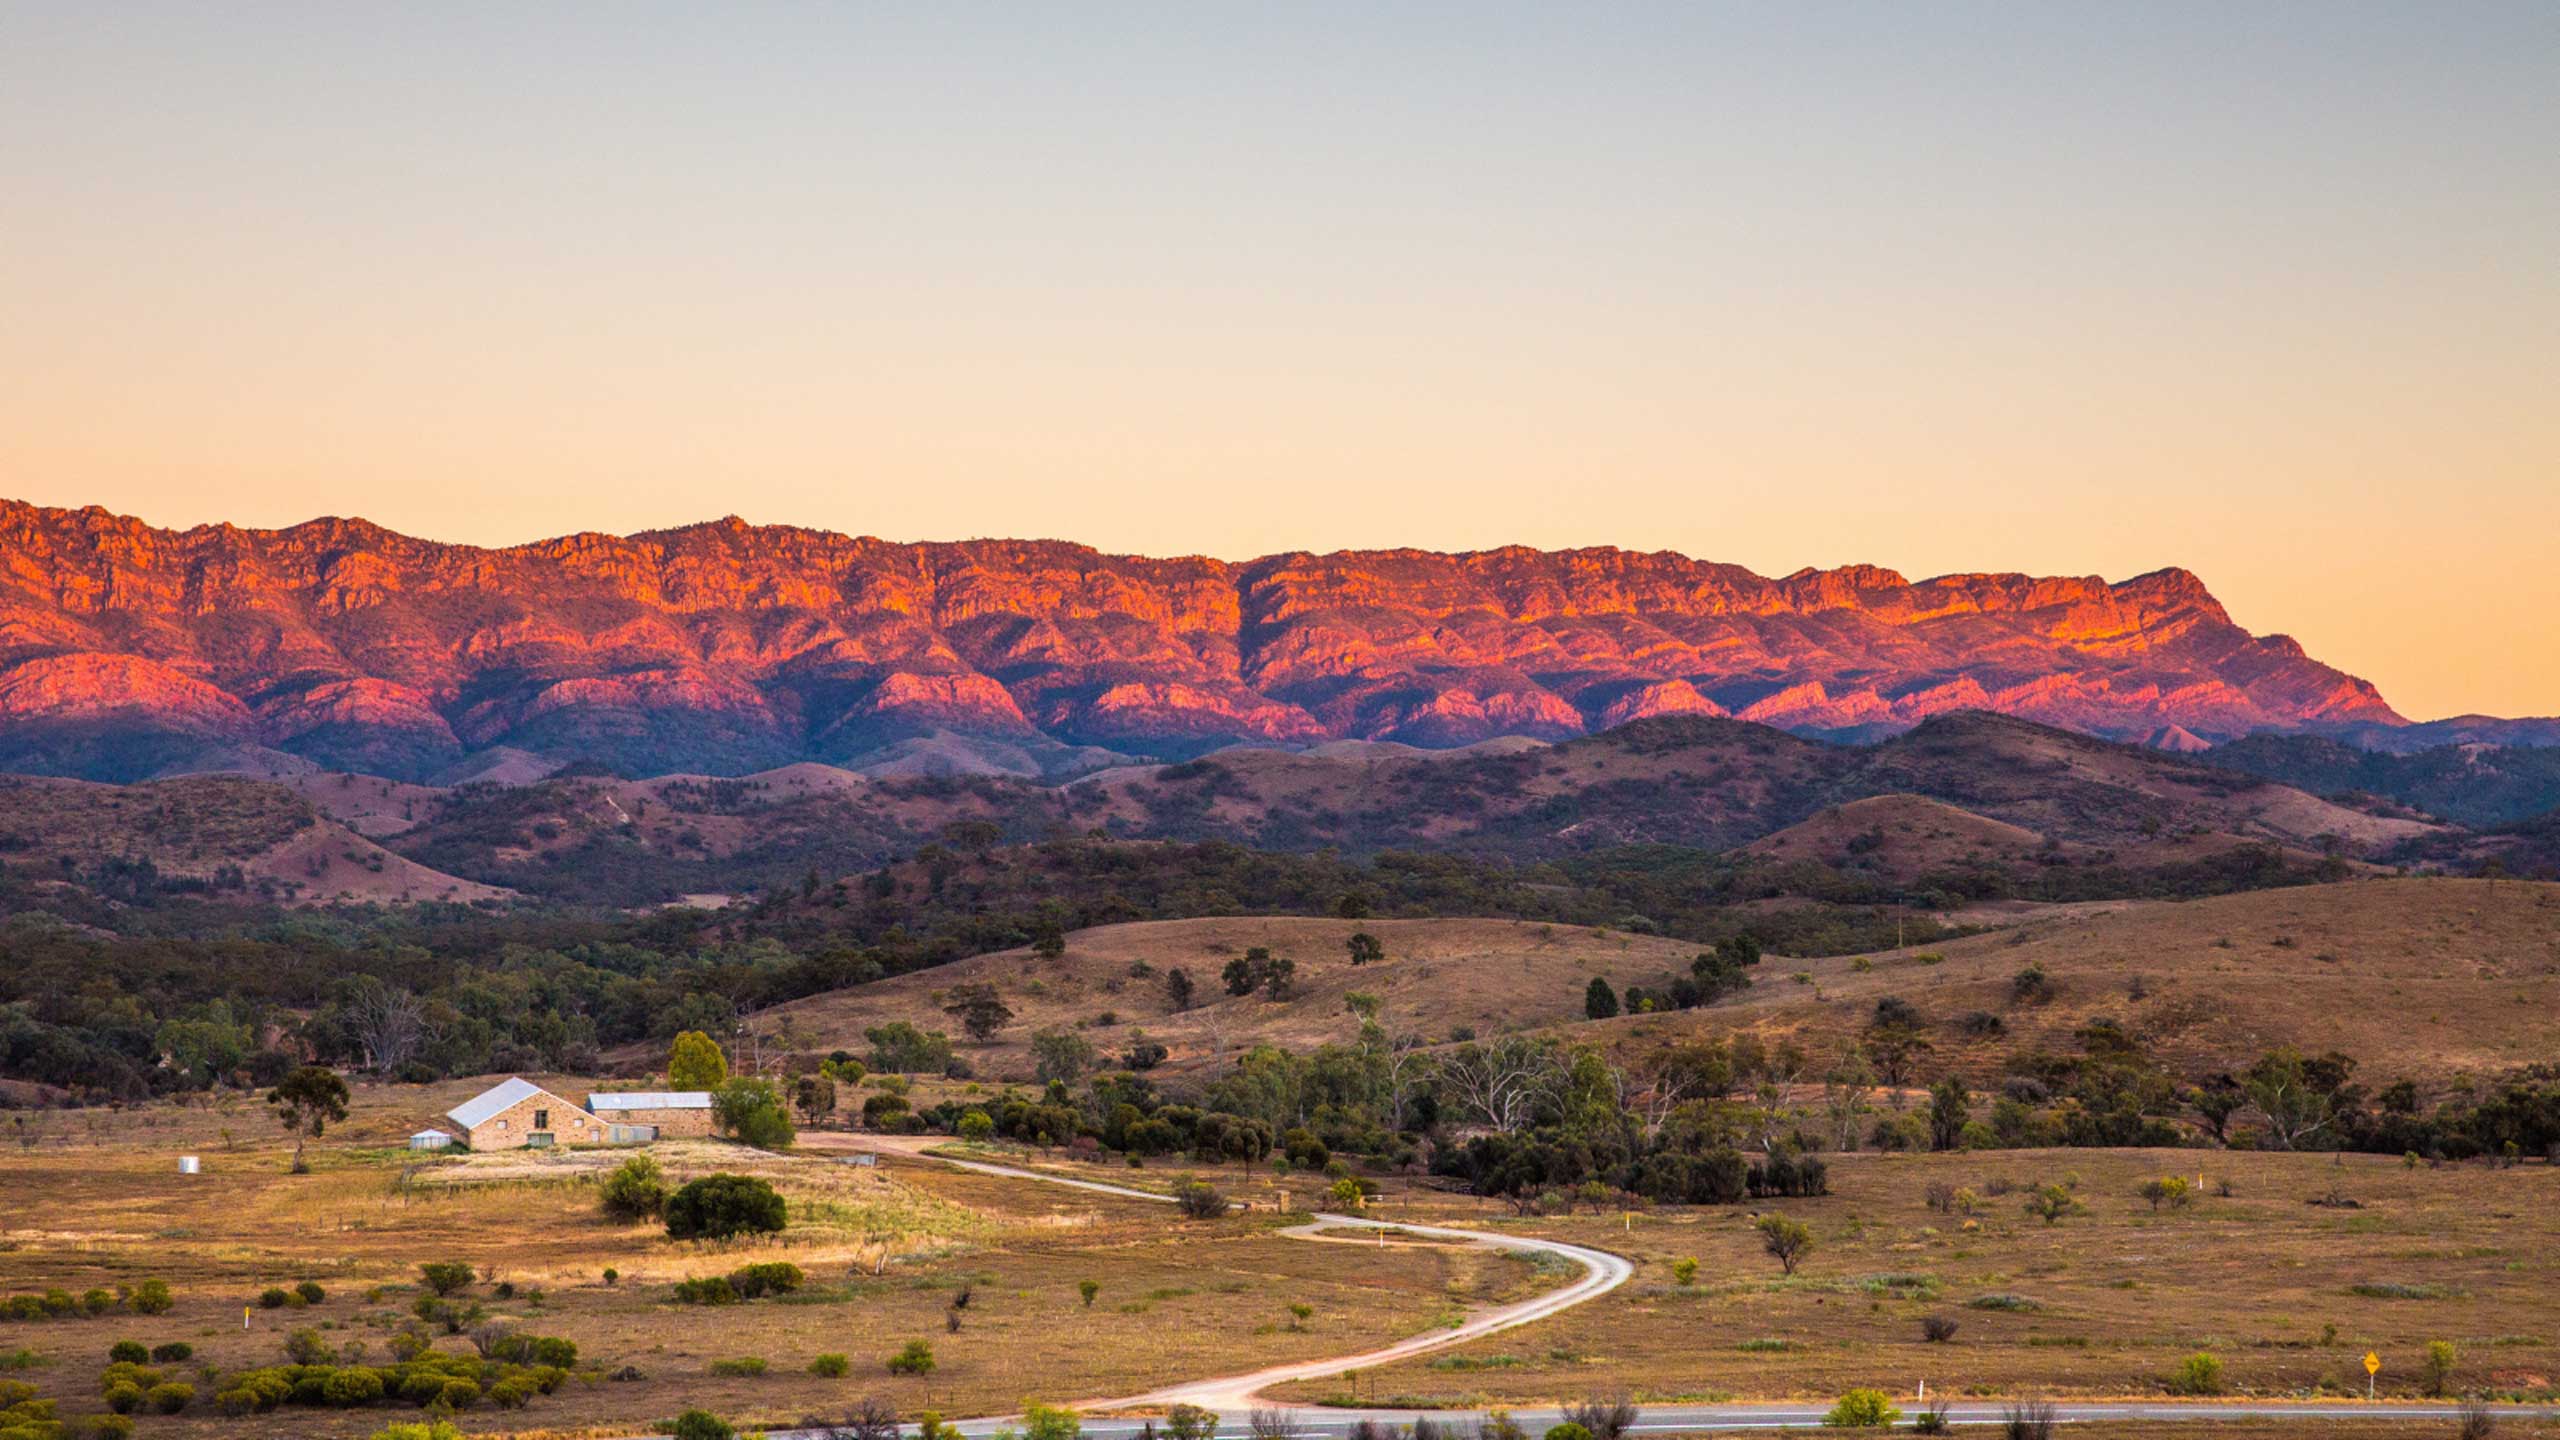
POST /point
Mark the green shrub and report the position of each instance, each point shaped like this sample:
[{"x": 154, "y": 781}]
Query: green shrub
[
  {"x": 916, "y": 1358},
  {"x": 702, "y": 1425},
  {"x": 172, "y": 1353},
  {"x": 831, "y": 1366},
  {"x": 274, "y": 1297},
  {"x": 1567, "y": 1431},
  {"x": 716, "y": 1207},
  {"x": 512, "y": 1393},
  {"x": 773, "y": 1277},
  {"x": 110, "y": 1427},
  {"x": 458, "y": 1395},
  {"x": 2001, "y": 1302},
  {"x": 128, "y": 1352},
  {"x": 310, "y": 1292},
  {"x": 351, "y": 1386},
  {"x": 636, "y": 1190},
  {"x": 235, "y": 1402},
  {"x": 2198, "y": 1374},
  {"x": 708, "y": 1290},
  {"x": 739, "y": 1365},
  {"x": 1863, "y": 1410},
  {"x": 171, "y": 1398},
  {"x": 124, "y": 1397},
  {"x": 444, "y": 1277},
  {"x": 416, "y": 1430}
]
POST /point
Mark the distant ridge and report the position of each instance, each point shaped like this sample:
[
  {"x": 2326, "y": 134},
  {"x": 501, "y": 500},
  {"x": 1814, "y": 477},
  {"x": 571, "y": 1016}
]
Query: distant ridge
[{"x": 127, "y": 650}]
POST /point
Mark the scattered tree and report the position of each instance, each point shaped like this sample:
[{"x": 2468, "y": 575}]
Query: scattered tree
[
  {"x": 694, "y": 1062},
  {"x": 1788, "y": 1241},
  {"x": 979, "y": 1010},
  {"x": 1364, "y": 948},
  {"x": 1599, "y": 1002},
  {"x": 307, "y": 1102}
]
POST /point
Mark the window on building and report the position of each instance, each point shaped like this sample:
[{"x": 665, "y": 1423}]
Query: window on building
[{"x": 541, "y": 1119}]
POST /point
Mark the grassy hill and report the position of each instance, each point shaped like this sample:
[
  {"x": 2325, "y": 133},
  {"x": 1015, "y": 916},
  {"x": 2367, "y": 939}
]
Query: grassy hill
[
  {"x": 2419, "y": 979},
  {"x": 1439, "y": 978},
  {"x": 205, "y": 834}
]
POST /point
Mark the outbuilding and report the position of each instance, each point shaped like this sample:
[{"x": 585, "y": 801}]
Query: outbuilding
[
  {"x": 431, "y": 1140},
  {"x": 636, "y": 1117}
]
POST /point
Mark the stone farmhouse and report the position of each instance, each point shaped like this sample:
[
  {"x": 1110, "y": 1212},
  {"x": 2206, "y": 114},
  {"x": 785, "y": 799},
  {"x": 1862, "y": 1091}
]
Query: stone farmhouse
[{"x": 520, "y": 1115}]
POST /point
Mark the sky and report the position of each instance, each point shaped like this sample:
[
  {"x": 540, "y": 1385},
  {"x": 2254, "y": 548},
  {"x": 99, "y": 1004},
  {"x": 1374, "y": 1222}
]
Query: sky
[{"x": 2268, "y": 291}]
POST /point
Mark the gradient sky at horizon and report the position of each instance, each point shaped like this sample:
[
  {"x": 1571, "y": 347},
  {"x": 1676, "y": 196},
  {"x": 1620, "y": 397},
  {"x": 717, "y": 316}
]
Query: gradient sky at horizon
[{"x": 2268, "y": 291}]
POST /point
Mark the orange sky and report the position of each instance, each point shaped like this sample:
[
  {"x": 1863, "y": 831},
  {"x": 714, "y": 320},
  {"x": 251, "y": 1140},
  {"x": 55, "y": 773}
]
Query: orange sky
[{"x": 2076, "y": 291}]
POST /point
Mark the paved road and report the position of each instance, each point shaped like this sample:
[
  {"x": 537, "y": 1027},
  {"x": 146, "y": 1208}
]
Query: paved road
[{"x": 1234, "y": 1396}]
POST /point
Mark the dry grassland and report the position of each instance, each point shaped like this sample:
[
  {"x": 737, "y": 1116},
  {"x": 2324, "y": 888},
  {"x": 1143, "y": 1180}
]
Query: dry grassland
[
  {"x": 2106, "y": 1303},
  {"x": 887, "y": 1251}
]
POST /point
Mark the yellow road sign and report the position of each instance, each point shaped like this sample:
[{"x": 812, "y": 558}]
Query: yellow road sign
[{"x": 2372, "y": 1362}]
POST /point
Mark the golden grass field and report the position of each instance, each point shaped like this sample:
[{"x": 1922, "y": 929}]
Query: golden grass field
[
  {"x": 2119, "y": 1294},
  {"x": 103, "y": 1205}
]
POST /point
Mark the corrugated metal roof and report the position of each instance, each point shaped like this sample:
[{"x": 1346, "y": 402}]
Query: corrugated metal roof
[
  {"x": 485, "y": 1106},
  {"x": 651, "y": 1100}
]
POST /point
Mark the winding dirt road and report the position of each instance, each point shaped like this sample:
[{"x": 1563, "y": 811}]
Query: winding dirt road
[{"x": 1602, "y": 1272}]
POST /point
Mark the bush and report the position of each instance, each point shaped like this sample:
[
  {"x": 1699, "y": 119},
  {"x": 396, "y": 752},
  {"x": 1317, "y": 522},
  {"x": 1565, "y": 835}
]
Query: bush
[
  {"x": 1567, "y": 1431},
  {"x": 459, "y": 1394},
  {"x": 512, "y": 1393},
  {"x": 773, "y": 1277},
  {"x": 916, "y": 1358},
  {"x": 702, "y": 1425},
  {"x": 1937, "y": 1329},
  {"x": 273, "y": 1298},
  {"x": 716, "y": 1207},
  {"x": 636, "y": 1190},
  {"x": 172, "y": 1353},
  {"x": 171, "y": 1398},
  {"x": 1199, "y": 1199},
  {"x": 152, "y": 1297},
  {"x": 1684, "y": 1271},
  {"x": 445, "y": 1277},
  {"x": 2438, "y": 1366},
  {"x": 109, "y": 1427},
  {"x": 351, "y": 1386},
  {"x": 2198, "y": 1374},
  {"x": 739, "y": 1365},
  {"x": 708, "y": 1290},
  {"x": 1863, "y": 1410},
  {"x": 414, "y": 1430},
  {"x": 310, "y": 1292},
  {"x": 123, "y": 1397},
  {"x": 831, "y": 1366},
  {"x": 975, "y": 1125},
  {"x": 128, "y": 1352}
]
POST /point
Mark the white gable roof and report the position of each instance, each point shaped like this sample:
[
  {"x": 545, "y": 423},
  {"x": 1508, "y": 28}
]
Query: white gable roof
[
  {"x": 487, "y": 1105},
  {"x": 651, "y": 1100}
]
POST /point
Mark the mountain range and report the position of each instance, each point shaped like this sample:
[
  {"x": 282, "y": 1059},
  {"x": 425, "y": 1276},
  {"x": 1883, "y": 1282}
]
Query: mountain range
[{"x": 724, "y": 648}]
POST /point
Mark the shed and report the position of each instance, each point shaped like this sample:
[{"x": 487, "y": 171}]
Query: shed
[
  {"x": 638, "y": 1116},
  {"x": 431, "y": 1140}
]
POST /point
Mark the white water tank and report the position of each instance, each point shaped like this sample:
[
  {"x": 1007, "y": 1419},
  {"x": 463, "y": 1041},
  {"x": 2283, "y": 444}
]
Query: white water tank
[{"x": 187, "y": 1165}]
